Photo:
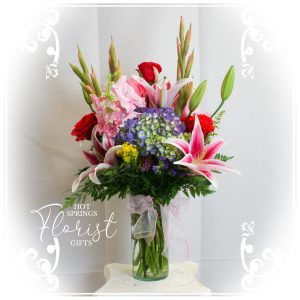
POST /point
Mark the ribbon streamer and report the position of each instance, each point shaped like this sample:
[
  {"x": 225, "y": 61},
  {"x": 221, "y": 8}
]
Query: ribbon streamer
[
  {"x": 145, "y": 227},
  {"x": 174, "y": 209}
]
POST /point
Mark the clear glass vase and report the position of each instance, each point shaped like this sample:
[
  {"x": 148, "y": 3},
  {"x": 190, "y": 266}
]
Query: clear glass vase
[{"x": 150, "y": 259}]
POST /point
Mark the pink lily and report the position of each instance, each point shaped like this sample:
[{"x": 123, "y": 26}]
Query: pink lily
[
  {"x": 99, "y": 160},
  {"x": 108, "y": 163},
  {"x": 198, "y": 157},
  {"x": 107, "y": 141},
  {"x": 97, "y": 153},
  {"x": 162, "y": 95}
]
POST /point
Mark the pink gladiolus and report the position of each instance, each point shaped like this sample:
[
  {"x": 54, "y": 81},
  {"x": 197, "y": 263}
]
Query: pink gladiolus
[
  {"x": 198, "y": 157},
  {"x": 162, "y": 94}
]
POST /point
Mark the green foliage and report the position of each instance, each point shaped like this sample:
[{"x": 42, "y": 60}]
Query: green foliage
[
  {"x": 218, "y": 118},
  {"x": 78, "y": 197},
  {"x": 223, "y": 157},
  {"x": 217, "y": 121},
  {"x": 125, "y": 180}
]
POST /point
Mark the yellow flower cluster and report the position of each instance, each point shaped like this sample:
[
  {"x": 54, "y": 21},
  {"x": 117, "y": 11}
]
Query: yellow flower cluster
[{"x": 128, "y": 152}]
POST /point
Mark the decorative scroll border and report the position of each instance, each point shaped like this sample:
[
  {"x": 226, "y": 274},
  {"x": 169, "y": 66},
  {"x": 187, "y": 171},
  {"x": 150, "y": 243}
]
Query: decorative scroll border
[
  {"x": 43, "y": 32},
  {"x": 254, "y": 31},
  {"x": 43, "y": 267},
  {"x": 255, "y": 267}
]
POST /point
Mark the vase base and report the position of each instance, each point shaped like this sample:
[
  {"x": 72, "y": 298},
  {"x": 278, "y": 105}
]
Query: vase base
[
  {"x": 182, "y": 279},
  {"x": 150, "y": 278}
]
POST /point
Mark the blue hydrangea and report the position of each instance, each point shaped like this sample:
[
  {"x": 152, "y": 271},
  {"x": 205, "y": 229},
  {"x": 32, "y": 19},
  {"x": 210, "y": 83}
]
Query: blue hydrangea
[{"x": 150, "y": 129}]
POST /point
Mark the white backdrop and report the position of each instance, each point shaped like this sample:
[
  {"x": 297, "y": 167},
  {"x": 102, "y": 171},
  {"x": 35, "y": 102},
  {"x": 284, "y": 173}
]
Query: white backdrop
[{"x": 43, "y": 157}]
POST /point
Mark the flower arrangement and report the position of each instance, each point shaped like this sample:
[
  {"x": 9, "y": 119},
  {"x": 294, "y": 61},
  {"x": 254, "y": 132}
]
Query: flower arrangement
[{"x": 149, "y": 140}]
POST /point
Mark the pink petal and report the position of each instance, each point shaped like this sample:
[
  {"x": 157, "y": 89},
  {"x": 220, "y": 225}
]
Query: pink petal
[
  {"x": 93, "y": 176},
  {"x": 196, "y": 170},
  {"x": 107, "y": 141},
  {"x": 163, "y": 97},
  {"x": 91, "y": 157},
  {"x": 209, "y": 176},
  {"x": 217, "y": 165},
  {"x": 157, "y": 95},
  {"x": 82, "y": 175},
  {"x": 178, "y": 143},
  {"x": 186, "y": 110},
  {"x": 173, "y": 91},
  {"x": 149, "y": 89},
  {"x": 97, "y": 145},
  {"x": 212, "y": 149},
  {"x": 190, "y": 166},
  {"x": 186, "y": 159},
  {"x": 156, "y": 74},
  {"x": 168, "y": 84},
  {"x": 96, "y": 100},
  {"x": 110, "y": 156},
  {"x": 197, "y": 141}
]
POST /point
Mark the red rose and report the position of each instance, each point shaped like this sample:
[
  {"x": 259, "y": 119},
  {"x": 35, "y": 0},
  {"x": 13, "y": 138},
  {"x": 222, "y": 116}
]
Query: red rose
[
  {"x": 206, "y": 122},
  {"x": 83, "y": 128},
  {"x": 147, "y": 71},
  {"x": 189, "y": 123}
]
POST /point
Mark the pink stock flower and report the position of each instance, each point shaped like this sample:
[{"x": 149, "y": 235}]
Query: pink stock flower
[
  {"x": 162, "y": 94},
  {"x": 113, "y": 109},
  {"x": 198, "y": 157}
]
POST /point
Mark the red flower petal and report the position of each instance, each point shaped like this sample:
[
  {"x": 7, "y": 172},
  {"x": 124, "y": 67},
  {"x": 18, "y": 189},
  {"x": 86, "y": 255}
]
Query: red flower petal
[
  {"x": 147, "y": 71},
  {"x": 84, "y": 127},
  {"x": 206, "y": 122}
]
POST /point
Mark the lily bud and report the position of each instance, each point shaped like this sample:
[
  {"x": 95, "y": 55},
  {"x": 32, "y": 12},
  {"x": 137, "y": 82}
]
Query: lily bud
[
  {"x": 227, "y": 85},
  {"x": 197, "y": 96}
]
